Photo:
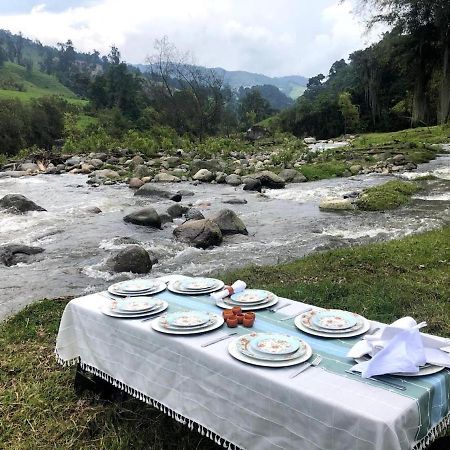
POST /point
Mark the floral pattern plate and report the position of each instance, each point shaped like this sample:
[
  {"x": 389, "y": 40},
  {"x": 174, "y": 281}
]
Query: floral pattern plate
[
  {"x": 334, "y": 319},
  {"x": 185, "y": 319},
  {"x": 138, "y": 285},
  {"x": 110, "y": 309},
  {"x": 158, "y": 287},
  {"x": 236, "y": 353},
  {"x": 175, "y": 286},
  {"x": 223, "y": 304},
  {"x": 253, "y": 296},
  {"x": 260, "y": 302},
  {"x": 198, "y": 284},
  {"x": 303, "y": 323},
  {"x": 216, "y": 324},
  {"x": 308, "y": 322},
  {"x": 274, "y": 344},
  {"x": 137, "y": 304}
]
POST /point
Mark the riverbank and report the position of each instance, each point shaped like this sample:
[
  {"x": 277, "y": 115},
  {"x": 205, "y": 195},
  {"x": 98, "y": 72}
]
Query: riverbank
[{"x": 39, "y": 409}]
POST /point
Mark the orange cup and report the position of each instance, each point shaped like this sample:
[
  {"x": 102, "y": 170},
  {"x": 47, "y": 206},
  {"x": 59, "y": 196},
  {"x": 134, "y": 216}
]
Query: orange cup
[
  {"x": 250, "y": 315},
  {"x": 236, "y": 309},
  {"x": 232, "y": 321},
  {"x": 227, "y": 313},
  {"x": 240, "y": 317},
  {"x": 248, "y": 323}
]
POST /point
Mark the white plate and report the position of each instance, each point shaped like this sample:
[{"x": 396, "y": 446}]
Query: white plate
[
  {"x": 136, "y": 285},
  {"x": 222, "y": 304},
  {"x": 207, "y": 291},
  {"x": 309, "y": 316},
  {"x": 232, "y": 303},
  {"x": 235, "y": 353},
  {"x": 362, "y": 330},
  {"x": 107, "y": 311},
  {"x": 159, "y": 287},
  {"x": 429, "y": 370},
  {"x": 157, "y": 327}
]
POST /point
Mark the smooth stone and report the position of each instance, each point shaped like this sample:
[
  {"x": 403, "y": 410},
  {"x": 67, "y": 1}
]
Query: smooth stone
[
  {"x": 176, "y": 210},
  {"x": 125, "y": 240},
  {"x": 133, "y": 258},
  {"x": 163, "y": 177},
  {"x": 221, "y": 177},
  {"x": 213, "y": 165},
  {"x": 150, "y": 190},
  {"x": 355, "y": 169},
  {"x": 135, "y": 183},
  {"x": 252, "y": 184},
  {"x": 202, "y": 233},
  {"x": 233, "y": 180},
  {"x": 193, "y": 214},
  {"x": 93, "y": 209},
  {"x": 292, "y": 176},
  {"x": 141, "y": 171},
  {"x": 229, "y": 222},
  {"x": 337, "y": 204},
  {"x": 165, "y": 218},
  {"x": 269, "y": 179},
  {"x": 29, "y": 167},
  {"x": 19, "y": 204},
  {"x": 235, "y": 201},
  {"x": 203, "y": 175},
  {"x": 145, "y": 217}
]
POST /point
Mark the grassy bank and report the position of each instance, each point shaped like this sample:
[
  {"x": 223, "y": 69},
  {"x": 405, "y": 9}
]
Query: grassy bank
[{"x": 39, "y": 410}]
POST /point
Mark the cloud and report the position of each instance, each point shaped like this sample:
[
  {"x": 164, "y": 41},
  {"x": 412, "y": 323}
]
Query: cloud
[{"x": 275, "y": 38}]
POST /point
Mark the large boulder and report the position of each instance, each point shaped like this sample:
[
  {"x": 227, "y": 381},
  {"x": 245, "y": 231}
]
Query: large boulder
[
  {"x": 233, "y": 180},
  {"x": 336, "y": 204},
  {"x": 12, "y": 254},
  {"x": 146, "y": 217},
  {"x": 269, "y": 179},
  {"x": 194, "y": 214},
  {"x": 18, "y": 204},
  {"x": 292, "y": 176},
  {"x": 176, "y": 210},
  {"x": 105, "y": 174},
  {"x": 203, "y": 175},
  {"x": 133, "y": 258},
  {"x": 228, "y": 222},
  {"x": 202, "y": 233},
  {"x": 164, "y": 177},
  {"x": 256, "y": 132},
  {"x": 252, "y": 184},
  {"x": 150, "y": 190},
  {"x": 213, "y": 165},
  {"x": 29, "y": 166}
]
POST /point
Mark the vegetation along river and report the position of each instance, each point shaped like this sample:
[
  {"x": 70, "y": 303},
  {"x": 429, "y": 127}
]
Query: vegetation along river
[{"x": 283, "y": 225}]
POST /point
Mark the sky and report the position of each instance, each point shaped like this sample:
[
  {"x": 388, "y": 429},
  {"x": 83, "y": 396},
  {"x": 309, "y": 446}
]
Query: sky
[{"x": 273, "y": 37}]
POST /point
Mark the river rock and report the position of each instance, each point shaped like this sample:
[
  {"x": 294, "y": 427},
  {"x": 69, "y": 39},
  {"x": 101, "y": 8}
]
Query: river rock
[
  {"x": 269, "y": 179},
  {"x": 256, "y": 132},
  {"x": 235, "y": 201},
  {"x": 233, "y": 180},
  {"x": 176, "y": 210},
  {"x": 73, "y": 161},
  {"x": 213, "y": 165},
  {"x": 193, "y": 214},
  {"x": 137, "y": 160},
  {"x": 125, "y": 240},
  {"x": 203, "y": 175},
  {"x": 13, "y": 174},
  {"x": 355, "y": 169},
  {"x": 150, "y": 190},
  {"x": 146, "y": 217},
  {"x": 337, "y": 204},
  {"x": 399, "y": 159},
  {"x": 228, "y": 222},
  {"x": 221, "y": 177},
  {"x": 135, "y": 183},
  {"x": 202, "y": 233},
  {"x": 309, "y": 140},
  {"x": 165, "y": 218},
  {"x": 29, "y": 167},
  {"x": 164, "y": 177},
  {"x": 12, "y": 254},
  {"x": 18, "y": 204},
  {"x": 93, "y": 209},
  {"x": 105, "y": 173},
  {"x": 252, "y": 184},
  {"x": 133, "y": 258},
  {"x": 292, "y": 176},
  {"x": 141, "y": 170}
]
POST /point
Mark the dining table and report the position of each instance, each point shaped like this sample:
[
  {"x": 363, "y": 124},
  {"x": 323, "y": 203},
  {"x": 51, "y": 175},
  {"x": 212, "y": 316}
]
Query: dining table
[{"x": 244, "y": 406}]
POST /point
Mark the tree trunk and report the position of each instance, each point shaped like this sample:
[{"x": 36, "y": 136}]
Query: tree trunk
[
  {"x": 444, "y": 95},
  {"x": 419, "y": 107}
]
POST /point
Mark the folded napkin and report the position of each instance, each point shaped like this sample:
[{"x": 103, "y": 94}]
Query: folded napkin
[
  {"x": 399, "y": 348},
  {"x": 237, "y": 286}
]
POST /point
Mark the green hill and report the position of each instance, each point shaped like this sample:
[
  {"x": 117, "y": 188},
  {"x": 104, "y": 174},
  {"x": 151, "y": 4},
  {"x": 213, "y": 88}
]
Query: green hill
[{"x": 17, "y": 82}]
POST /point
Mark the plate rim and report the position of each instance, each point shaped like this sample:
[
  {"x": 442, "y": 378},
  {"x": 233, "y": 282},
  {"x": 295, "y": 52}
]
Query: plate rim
[
  {"x": 362, "y": 330},
  {"x": 162, "y": 287},
  {"x": 277, "y": 334},
  {"x": 334, "y": 309},
  {"x": 155, "y": 326},
  {"x": 107, "y": 312},
  {"x": 242, "y": 292},
  {"x": 223, "y": 305}
]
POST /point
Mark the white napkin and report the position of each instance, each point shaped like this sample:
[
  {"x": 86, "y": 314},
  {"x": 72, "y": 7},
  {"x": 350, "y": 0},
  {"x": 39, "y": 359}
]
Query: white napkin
[
  {"x": 238, "y": 286},
  {"x": 399, "y": 348}
]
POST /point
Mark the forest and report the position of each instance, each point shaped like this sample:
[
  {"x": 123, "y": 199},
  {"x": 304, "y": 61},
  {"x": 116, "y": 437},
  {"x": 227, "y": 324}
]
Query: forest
[{"x": 399, "y": 82}]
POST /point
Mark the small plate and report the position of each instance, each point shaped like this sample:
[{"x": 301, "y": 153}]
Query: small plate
[
  {"x": 138, "y": 285},
  {"x": 217, "y": 324},
  {"x": 251, "y": 296},
  {"x": 198, "y": 284},
  {"x": 307, "y": 321},
  {"x": 158, "y": 287},
  {"x": 274, "y": 344},
  {"x": 174, "y": 286},
  {"x": 186, "y": 319},
  {"x": 137, "y": 304},
  {"x": 235, "y": 353},
  {"x": 224, "y": 305},
  {"x": 334, "y": 319},
  {"x": 106, "y": 309}
]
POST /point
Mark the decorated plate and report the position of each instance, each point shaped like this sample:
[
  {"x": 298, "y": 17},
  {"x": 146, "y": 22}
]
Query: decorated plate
[
  {"x": 185, "y": 319},
  {"x": 334, "y": 319},
  {"x": 427, "y": 369},
  {"x": 110, "y": 309},
  {"x": 303, "y": 319},
  {"x": 274, "y": 344},
  {"x": 225, "y": 305},
  {"x": 198, "y": 284},
  {"x": 157, "y": 287},
  {"x": 138, "y": 285},
  {"x": 261, "y": 302},
  {"x": 175, "y": 286},
  {"x": 251, "y": 296},
  {"x": 219, "y": 320},
  {"x": 236, "y": 353},
  {"x": 137, "y": 304},
  {"x": 307, "y": 320}
]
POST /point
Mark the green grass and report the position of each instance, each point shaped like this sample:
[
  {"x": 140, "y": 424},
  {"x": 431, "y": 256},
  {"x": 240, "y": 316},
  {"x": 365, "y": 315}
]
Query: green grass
[
  {"x": 323, "y": 170},
  {"x": 83, "y": 121},
  {"x": 39, "y": 410},
  {"x": 32, "y": 85},
  {"x": 386, "y": 196}
]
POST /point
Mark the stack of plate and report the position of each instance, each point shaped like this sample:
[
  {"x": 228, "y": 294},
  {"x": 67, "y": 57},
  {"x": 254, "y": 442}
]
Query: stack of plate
[
  {"x": 139, "y": 287},
  {"x": 187, "y": 322},
  {"x": 195, "y": 286},
  {"x": 134, "y": 307},
  {"x": 332, "y": 323},
  {"x": 249, "y": 299},
  {"x": 270, "y": 349}
]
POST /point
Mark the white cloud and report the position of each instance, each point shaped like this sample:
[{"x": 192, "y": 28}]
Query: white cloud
[{"x": 276, "y": 38}]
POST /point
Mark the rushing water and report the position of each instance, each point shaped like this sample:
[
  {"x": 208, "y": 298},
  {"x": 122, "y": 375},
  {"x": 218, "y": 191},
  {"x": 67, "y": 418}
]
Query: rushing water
[{"x": 283, "y": 225}]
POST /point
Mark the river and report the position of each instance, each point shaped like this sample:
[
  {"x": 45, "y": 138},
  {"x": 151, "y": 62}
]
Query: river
[{"x": 283, "y": 225}]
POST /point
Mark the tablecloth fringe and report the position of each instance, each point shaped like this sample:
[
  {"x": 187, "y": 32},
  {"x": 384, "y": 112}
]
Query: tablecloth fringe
[
  {"x": 68, "y": 362},
  {"x": 145, "y": 398},
  {"x": 433, "y": 434}
]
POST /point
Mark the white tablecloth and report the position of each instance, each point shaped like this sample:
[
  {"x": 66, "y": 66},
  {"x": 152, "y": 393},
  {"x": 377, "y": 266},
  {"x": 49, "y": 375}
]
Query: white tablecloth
[{"x": 232, "y": 402}]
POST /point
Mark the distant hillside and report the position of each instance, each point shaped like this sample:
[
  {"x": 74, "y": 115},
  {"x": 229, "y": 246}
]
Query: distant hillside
[
  {"x": 292, "y": 86},
  {"x": 17, "y": 82}
]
